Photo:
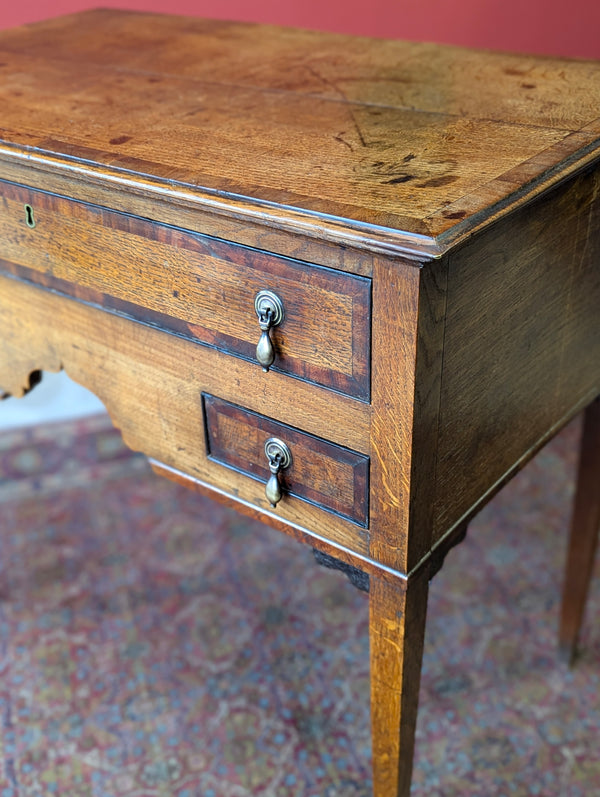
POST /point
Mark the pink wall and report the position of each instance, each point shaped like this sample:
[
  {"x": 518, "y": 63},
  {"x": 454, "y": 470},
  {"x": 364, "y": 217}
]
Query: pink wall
[{"x": 544, "y": 26}]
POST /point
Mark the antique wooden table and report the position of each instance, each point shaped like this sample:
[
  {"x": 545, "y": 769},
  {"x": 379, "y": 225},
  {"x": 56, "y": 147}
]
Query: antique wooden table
[{"x": 349, "y": 286}]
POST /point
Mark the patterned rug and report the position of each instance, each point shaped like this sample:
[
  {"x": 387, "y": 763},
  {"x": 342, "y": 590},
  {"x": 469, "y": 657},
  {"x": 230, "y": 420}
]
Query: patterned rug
[{"x": 155, "y": 644}]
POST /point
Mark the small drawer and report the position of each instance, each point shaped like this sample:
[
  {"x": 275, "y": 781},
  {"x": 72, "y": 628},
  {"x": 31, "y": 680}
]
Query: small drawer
[
  {"x": 325, "y": 474},
  {"x": 200, "y": 287}
]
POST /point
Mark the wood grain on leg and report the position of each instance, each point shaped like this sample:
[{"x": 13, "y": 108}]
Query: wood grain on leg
[
  {"x": 397, "y": 628},
  {"x": 585, "y": 525}
]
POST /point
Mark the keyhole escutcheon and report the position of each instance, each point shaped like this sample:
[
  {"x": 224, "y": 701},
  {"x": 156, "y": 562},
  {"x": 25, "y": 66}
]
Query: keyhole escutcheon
[{"x": 29, "y": 217}]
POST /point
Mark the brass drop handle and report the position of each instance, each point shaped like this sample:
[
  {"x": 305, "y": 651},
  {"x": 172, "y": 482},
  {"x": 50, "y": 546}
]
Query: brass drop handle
[
  {"x": 280, "y": 458},
  {"x": 269, "y": 309}
]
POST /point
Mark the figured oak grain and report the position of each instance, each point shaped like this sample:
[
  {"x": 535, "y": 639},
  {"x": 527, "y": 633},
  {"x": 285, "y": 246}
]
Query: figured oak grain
[
  {"x": 197, "y": 286},
  {"x": 414, "y": 75},
  {"x": 325, "y": 474},
  {"x": 151, "y": 384},
  {"x": 397, "y": 614},
  {"x": 522, "y": 342},
  {"x": 455, "y": 195},
  {"x": 292, "y": 131},
  {"x": 409, "y": 308}
]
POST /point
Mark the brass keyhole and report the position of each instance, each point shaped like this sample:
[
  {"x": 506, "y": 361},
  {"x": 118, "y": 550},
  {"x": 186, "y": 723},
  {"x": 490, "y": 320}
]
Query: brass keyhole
[{"x": 29, "y": 217}]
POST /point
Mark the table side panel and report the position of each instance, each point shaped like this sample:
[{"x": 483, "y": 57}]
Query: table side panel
[{"x": 522, "y": 341}]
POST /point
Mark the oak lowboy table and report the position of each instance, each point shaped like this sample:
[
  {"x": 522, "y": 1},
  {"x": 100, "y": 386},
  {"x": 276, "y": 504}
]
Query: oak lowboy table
[{"x": 349, "y": 286}]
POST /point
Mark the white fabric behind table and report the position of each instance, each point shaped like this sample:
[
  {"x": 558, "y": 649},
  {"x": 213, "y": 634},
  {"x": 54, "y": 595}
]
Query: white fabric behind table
[{"x": 56, "y": 398}]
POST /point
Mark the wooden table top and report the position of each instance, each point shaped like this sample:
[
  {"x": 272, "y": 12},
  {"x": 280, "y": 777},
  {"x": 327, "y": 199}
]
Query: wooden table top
[
  {"x": 176, "y": 191},
  {"x": 427, "y": 139}
]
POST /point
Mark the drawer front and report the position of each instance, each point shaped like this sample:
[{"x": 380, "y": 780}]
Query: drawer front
[
  {"x": 200, "y": 287},
  {"x": 325, "y": 474}
]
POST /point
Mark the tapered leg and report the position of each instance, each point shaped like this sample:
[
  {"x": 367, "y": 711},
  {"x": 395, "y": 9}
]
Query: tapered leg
[
  {"x": 585, "y": 525},
  {"x": 397, "y": 629}
]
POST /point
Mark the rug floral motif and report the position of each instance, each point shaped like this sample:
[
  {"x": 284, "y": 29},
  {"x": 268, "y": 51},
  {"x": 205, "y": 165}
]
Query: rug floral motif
[{"x": 156, "y": 644}]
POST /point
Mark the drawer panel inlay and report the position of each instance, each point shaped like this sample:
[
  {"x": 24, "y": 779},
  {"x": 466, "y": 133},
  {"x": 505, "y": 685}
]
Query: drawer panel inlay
[
  {"x": 200, "y": 287},
  {"x": 320, "y": 472}
]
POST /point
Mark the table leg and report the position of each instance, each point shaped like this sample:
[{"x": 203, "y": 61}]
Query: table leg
[
  {"x": 585, "y": 525},
  {"x": 397, "y": 628}
]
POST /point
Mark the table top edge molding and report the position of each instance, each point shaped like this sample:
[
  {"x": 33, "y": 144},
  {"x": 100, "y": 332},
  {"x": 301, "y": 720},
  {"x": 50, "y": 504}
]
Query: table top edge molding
[
  {"x": 18, "y": 164},
  {"x": 38, "y": 167}
]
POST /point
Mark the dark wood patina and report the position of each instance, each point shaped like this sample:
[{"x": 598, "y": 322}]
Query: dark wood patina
[{"x": 430, "y": 218}]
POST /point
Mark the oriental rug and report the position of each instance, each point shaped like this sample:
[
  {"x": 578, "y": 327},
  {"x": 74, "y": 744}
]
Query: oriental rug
[{"x": 156, "y": 644}]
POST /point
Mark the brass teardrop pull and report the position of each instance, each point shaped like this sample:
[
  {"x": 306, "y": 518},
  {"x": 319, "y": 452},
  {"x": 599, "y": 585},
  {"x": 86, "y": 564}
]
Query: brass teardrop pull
[
  {"x": 269, "y": 309},
  {"x": 280, "y": 458}
]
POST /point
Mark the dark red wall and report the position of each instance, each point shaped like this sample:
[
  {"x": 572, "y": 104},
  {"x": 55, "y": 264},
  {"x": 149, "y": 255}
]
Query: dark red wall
[{"x": 542, "y": 26}]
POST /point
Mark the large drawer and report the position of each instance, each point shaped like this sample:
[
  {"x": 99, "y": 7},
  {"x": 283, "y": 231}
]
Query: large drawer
[
  {"x": 323, "y": 473},
  {"x": 191, "y": 284}
]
